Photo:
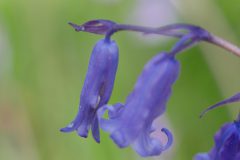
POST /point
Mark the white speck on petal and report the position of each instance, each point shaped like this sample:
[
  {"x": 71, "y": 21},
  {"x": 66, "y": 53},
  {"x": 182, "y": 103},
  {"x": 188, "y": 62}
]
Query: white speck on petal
[{"x": 70, "y": 125}]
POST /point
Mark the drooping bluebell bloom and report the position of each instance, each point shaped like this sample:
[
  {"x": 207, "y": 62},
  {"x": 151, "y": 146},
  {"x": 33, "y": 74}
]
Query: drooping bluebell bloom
[
  {"x": 227, "y": 143},
  {"x": 227, "y": 139},
  {"x": 97, "y": 88},
  {"x": 131, "y": 123}
]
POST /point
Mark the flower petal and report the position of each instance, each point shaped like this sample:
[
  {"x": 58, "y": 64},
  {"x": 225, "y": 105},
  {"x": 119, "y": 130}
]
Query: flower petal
[
  {"x": 97, "y": 88},
  {"x": 202, "y": 156},
  {"x": 147, "y": 146},
  {"x": 114, "y": 111},
  {"x": 131, "y": 124},
  {"x": 227, "y": 144}
]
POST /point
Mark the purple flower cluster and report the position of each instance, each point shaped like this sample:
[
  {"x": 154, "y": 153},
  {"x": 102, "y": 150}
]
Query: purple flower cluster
[
  {"x": 227, "y": 144},
  {"x": 227, "y": 139},
  {"x": 130, "y": 124}
]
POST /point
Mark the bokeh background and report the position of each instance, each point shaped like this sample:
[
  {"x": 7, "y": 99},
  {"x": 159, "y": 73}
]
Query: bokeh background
[{"x": 43, "y": 62}]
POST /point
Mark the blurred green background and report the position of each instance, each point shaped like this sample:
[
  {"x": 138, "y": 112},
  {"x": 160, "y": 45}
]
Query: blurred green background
[{"x": 43, "y": 62}]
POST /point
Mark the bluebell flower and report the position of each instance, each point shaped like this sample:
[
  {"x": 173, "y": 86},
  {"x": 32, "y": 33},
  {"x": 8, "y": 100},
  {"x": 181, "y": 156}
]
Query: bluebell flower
[
  {"x": 131, "y": 123},
  {"x": 97, "y": 88},
  {"x": 227, "y": 139},
  {"x": 227, "y": 143}
]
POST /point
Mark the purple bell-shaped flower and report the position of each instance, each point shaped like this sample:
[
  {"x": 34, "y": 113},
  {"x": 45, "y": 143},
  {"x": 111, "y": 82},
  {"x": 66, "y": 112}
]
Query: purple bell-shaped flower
[
  {"x": 131, "y": 123},
  {"x": 97, "y": 88}
]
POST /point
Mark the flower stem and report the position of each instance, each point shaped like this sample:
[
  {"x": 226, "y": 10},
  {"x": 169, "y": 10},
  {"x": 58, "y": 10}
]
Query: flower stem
[
  {"x": 224, "y": 44},
  {"x": 178, "y": 31},
  {"x": 168, "y": 30}
]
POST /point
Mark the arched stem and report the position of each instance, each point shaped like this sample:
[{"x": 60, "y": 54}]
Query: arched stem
[{"x": 108, "y": 28}]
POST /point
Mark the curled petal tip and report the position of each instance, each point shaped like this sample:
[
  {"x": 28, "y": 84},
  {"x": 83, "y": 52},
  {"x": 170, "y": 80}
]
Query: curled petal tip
[
  {"x": 62, "y": 130},
  {"x": 66, "y": 129},
  {"x": 146, "y": 146},
  {"x": 97, "y": 140},
  {"x": 170, "y": 138},
  {"x": 82, "y": 132}
]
